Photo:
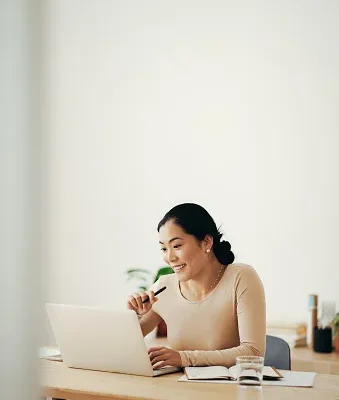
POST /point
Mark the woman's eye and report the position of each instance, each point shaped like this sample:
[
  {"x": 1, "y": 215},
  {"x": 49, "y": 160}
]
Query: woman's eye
[
  {"x": 177, "y": 246},
  {"x": 163, "y": 249}
]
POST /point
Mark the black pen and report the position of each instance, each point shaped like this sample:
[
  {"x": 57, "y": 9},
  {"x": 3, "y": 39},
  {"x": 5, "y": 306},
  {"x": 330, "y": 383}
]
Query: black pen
[{"x": 155, "y": 294}]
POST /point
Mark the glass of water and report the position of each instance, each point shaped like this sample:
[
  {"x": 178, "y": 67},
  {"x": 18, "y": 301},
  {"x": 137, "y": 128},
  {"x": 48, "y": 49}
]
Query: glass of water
[{"x": 250, "y": 370}]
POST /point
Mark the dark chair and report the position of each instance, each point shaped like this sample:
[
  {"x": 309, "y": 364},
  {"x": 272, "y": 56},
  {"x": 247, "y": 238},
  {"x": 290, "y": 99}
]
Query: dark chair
[{"x": 278, "y": 353}]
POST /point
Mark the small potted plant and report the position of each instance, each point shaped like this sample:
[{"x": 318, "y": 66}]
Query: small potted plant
[
  {"x": 335, "y": 325},
  {"x": 145, "y": 279}
]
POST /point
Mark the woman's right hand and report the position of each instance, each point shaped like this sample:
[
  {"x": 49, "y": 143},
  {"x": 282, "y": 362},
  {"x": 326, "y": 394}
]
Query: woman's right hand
[{"x": 134, "y": 302}]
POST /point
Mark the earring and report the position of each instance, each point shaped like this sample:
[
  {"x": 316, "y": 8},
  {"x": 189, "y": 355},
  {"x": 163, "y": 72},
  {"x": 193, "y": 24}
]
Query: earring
[{"x": 208, "y": 250}]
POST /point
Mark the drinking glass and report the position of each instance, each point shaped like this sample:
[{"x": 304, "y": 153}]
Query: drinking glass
[{"x": 250, "y": 370}]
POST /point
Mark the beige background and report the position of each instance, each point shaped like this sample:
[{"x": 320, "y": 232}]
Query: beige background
[{"x": 232, "y": 105}]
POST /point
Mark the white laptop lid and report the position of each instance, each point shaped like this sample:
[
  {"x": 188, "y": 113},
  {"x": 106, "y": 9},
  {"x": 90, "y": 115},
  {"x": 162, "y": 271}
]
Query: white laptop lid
[{"x": 100, "y": 339}]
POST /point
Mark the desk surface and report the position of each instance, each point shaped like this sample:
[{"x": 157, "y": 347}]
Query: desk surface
[
  {"x": 75, "y": 384},
  {"x": 303, "y": 359}
]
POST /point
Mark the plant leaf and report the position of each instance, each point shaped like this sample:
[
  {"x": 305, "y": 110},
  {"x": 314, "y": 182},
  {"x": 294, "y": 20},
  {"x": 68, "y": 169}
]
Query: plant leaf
[
  {"x": 163, "y": 271},
  {"x": 142, "y": 270},
  {"x": 137, "y": 277}
]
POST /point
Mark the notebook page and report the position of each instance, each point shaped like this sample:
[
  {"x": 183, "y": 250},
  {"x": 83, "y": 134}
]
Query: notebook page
[{"x": 212, "y": 372}]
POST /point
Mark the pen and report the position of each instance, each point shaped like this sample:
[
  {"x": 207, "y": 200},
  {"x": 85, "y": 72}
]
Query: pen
[{"x": 155, "y": 294}]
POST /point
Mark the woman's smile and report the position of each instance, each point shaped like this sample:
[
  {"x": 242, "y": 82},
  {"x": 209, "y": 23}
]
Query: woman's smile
[{"x": 179, "y": 267}]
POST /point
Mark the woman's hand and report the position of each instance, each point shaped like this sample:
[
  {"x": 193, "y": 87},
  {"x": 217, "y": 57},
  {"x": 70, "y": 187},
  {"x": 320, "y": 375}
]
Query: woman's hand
[
  {"x": 134, "y": 302},
  {"x": 162, "y": 356}
]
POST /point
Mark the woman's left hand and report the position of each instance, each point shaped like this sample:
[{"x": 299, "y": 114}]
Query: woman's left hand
[{"x": 162, "y": 356}]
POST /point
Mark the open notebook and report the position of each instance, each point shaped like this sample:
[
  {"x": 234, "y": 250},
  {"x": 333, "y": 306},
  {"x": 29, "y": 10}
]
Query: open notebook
[{"x": 220, "y": 372}]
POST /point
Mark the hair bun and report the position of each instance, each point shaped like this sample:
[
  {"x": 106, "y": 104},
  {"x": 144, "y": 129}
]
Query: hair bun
[
  {"x": 223, "y": 252},
  {"x": 218, "y": 237},
  {"x": 225, "y": 245}
]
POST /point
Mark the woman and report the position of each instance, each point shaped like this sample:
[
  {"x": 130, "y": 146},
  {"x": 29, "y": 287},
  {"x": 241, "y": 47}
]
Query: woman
[{"x": 214, "y": 310}]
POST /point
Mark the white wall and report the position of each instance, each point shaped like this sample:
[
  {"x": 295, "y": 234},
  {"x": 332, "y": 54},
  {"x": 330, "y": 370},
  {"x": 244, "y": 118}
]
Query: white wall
[
  {"x": 232, "y": 105},
  {"x": 20, "y": 219}
]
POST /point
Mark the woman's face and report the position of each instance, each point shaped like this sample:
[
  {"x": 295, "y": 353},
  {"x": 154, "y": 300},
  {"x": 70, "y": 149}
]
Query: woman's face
[{"x": 183, "y": 252}]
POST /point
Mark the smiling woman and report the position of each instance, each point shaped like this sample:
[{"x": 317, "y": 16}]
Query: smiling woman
[{"x": 214, "y": 309}]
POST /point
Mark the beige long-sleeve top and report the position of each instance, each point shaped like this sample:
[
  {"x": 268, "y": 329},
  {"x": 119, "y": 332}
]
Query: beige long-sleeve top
[{"x": 229, "y": 322}]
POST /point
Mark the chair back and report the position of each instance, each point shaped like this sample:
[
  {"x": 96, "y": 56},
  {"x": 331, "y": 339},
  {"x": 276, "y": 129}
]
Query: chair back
[{"x": 278, "y": 353}]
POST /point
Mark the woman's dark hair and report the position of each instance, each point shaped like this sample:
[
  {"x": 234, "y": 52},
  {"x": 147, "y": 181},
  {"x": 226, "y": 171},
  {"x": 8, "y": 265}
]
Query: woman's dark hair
[{"x": 196, "y": 221}]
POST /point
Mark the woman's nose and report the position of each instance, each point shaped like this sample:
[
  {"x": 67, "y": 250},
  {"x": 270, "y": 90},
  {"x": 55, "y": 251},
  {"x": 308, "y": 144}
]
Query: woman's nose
[{"x": 171, "y": 255}]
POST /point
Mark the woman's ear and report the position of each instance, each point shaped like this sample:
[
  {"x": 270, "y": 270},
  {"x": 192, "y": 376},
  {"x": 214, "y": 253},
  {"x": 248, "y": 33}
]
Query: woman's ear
[{"x": 207, "y": 243}]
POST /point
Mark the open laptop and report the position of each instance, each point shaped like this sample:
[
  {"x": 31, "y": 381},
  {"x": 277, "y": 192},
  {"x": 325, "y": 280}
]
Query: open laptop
[{"x": 101, "y": 339}]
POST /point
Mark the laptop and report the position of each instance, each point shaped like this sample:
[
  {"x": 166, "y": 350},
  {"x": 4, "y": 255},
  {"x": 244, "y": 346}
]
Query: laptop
[{"x": 101, "y": 339}]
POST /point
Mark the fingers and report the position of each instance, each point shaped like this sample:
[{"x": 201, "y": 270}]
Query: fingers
[
  {"x": 151, "y": 349},
  {"x": 162, "y": 364},
  {"x": 132, "y": 302},
  {"x": 157, "y": 355},
  {"x": 161, "y": 357},
  {"x": 152, "y": 298},
  {"x": 135, "y": 302},
  {"x": 139, "y": 297},
  {"x": 149, "y": 296}
]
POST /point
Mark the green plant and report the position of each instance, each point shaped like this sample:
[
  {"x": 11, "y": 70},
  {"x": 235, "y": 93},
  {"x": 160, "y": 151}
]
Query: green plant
[
  {"x": 335, "y": 324},
  {"x": 145, "y": 277}
]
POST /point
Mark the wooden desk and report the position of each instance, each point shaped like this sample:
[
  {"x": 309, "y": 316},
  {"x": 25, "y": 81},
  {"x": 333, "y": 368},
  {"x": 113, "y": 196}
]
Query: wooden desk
[
  {"x": 305, "y": 359},
  {"x": 75, "y": 384},
  {"x": 302, "y": 359}
]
